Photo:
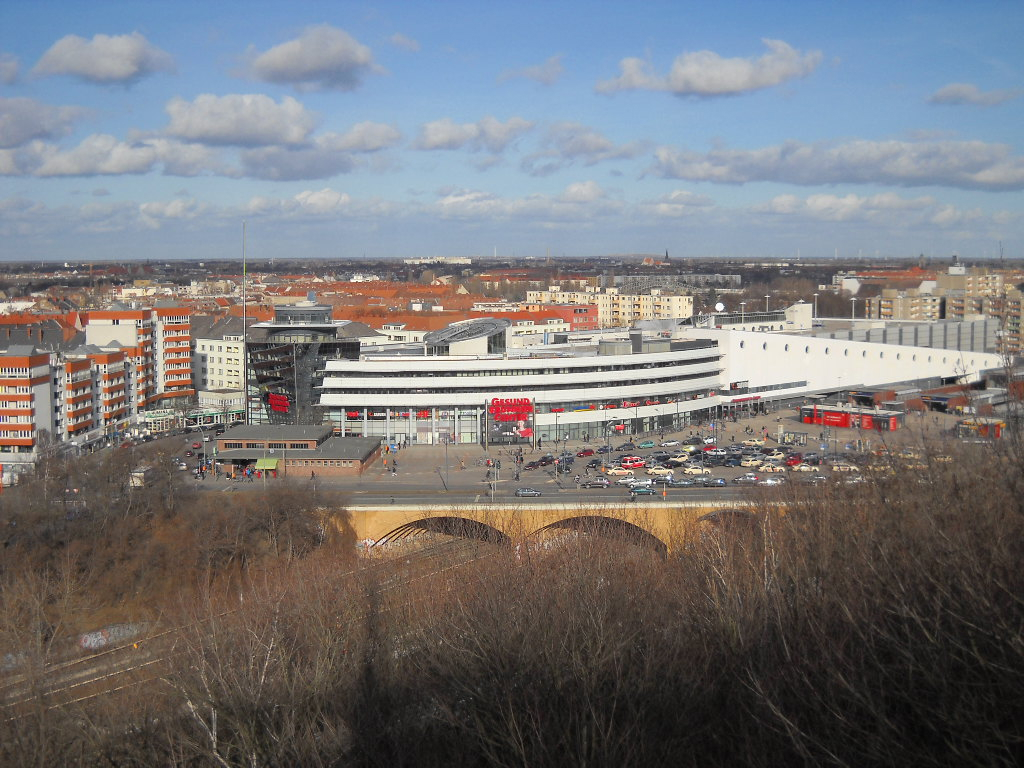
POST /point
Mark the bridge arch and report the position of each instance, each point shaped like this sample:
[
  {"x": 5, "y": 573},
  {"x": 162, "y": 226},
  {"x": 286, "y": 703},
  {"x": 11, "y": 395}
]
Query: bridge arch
[
  {"x": 609, "y": 527},
  {"x": 449, "y": 525}
]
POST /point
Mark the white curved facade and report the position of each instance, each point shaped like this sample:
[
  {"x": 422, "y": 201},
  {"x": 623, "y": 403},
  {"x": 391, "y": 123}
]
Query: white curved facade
[
  {"x": 578, "y": 393},
  {"x": 428, "y": 399}
]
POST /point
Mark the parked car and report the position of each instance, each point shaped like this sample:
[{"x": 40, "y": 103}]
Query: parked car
[
  {"x": 634, "y": 464},
  {"x": 626, "y": 480},
  {"x": 733, "y": 461},
  {"x": 754, "y": 441},
  {"x": 626, "y": 447},
  {"x": 645, "y": 444},
  {"x": 802, "y": 467},
  {"x": 693, "y": 441},
  {"x": 596, "y": 482},
  {"x": 751, "y": 461},
  {"x": 721, "y": 452},
  {"x": 696, "y": 471},
  {"x": 619, "y": 471},
  {"x": 644, "y": 483},
  {"x": 770, "y": 467},
  {"x": 594, "y": 463},
  {"x": 533, "y": 464},
  {"x": 196, "y": 445},
  {"x": 770, "y": 481},
  {"x": 712, "y": 482},
  {"x": 748, "y": 479},
  {"x": 641, "y": 490},
  {"x": 681, "y": 482},
  {"x": 842, "y": 466},
  {"x": 659, "y": 471},
  {"x": 604, "y": 449},
  {"x": 528, "y": 492},
  {"x": 585, "y": 452},
  {"x": 669, "y": 443},
  {"x": 793, "y": 459}
]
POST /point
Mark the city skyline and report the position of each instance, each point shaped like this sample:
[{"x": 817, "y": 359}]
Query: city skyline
[{"x": 141, "y": 130}]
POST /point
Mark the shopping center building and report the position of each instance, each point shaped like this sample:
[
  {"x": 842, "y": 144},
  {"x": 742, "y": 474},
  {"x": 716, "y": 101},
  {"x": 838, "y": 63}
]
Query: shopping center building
[{"x": 464, "y": 385}]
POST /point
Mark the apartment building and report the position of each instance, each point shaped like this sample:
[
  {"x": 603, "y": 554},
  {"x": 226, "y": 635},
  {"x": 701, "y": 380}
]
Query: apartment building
[
  {"x": 158, "y": 347},
  {"x": 904, "y": 304},
  {"x": 26, "y": 402},
  {"x": 218, "y": 354},
  {"x": 616, "y": 309}
]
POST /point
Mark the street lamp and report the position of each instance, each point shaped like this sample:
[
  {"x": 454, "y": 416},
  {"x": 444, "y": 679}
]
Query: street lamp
[
  {"x": 743, "y": 305},
  {"x": 766, "y": 303},
  {"x": 815, "y": 307},
  {"x": 853, "y": 308}
]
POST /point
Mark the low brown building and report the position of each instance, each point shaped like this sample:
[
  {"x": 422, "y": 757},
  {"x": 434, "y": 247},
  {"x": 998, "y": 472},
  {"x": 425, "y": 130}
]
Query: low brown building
[{"x": 296, "y": 451}]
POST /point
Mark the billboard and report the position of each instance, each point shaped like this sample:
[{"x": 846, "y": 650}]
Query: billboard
[{"x": 510, "y": 420}]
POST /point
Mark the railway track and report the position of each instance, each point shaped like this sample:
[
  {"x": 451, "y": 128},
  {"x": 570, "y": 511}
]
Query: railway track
[{"x": 148, "y": 659}]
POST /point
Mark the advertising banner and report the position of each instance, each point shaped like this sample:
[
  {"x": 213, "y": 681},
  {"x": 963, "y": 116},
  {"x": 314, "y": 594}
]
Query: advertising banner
[{"x": 510, "y": 420}]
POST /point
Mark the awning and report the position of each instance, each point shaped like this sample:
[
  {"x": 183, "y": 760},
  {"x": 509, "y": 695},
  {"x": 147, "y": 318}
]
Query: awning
[{"x": 266, "y": 463}]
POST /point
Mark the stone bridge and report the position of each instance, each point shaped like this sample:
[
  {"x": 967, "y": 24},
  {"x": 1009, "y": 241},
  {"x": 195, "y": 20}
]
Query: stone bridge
[{"x": 663, "y": 528}]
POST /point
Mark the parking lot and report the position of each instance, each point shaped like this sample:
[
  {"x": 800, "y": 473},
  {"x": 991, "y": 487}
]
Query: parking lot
[{"x": 704, "y": 460}]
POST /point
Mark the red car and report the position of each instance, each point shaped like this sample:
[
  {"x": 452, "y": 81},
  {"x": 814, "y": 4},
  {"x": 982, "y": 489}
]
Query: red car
[
  {"x": 585, "y": 452},
  {"x": 793, "y": 459},
  {"x": 638, "y": 464},
  {"x": 196, "y": 445},
  {"x": 710, "y": 447}
]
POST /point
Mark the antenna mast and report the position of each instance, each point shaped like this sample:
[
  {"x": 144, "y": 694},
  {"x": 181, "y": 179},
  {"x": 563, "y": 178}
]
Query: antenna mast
[{"x": 245, "y": 351}]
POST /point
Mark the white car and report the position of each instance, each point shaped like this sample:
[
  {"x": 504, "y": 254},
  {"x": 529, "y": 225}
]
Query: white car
[
  {"x": 660, "y": 471},
  {"x": 619, "y": 471},
  {"x": 669, "y": 443},
  {"x": 769, "y": 467},
  {"x": 696, "y": 471},
  {"x": 630, "y": 480},
  {"x": 754, "y": 441},
  {"x": 645, "y": 483},
  {"x": 842, "y": 466},
  {"x": 801, "y": 467}
]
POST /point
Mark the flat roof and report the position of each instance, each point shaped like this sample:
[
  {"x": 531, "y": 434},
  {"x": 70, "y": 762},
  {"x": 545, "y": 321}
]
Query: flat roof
[
  {"x": 278, "y": 432},
  {"x": 350, "y": 448}
]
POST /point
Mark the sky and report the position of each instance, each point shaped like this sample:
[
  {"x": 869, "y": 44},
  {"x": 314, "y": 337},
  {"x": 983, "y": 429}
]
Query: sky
[{"x": 153, "y": 130}]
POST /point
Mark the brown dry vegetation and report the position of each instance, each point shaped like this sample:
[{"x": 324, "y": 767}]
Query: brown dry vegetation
[{"x": 873, "y": 624}]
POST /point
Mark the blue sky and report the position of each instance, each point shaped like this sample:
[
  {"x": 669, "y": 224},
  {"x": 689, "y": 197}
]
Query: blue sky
[{"x": 152, "y": 130}]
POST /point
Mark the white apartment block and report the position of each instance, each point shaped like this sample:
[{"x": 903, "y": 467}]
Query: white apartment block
[{"x": 616, "y": 309}]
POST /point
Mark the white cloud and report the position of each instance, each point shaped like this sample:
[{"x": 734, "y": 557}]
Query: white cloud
[
  {"x": 567, "y": 142},
  {"x": 104, "y": 59},
  {"x": 322, "y": 58},
  {"x": 105, "y": 155},
  {"x": 403, "y": 41},
  {"x": 323, "y": 200},
  {"x": 964, "y": 164},
  {"x": 884, "y": 210},
  {"x": 8, "y": 68},
  {"x": 489, "y": 133},
  {"x": 22, "y": 120},
  {"x": 247, "y": 120},
  {"x": 363, "y": 137},
  {"x": 968, "y": 93},
  {"x": 678, "y": 203},
  {"x": 583, "y": 192},
  {"x": 545, "y": 74},
  {"x": 706, "y": 74},
  {"x": 327, "y": 155},
  {"x": 579, "y": 203},
  {"x": 100, "y": 154},
  {"x": 153, "y": 214}
]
